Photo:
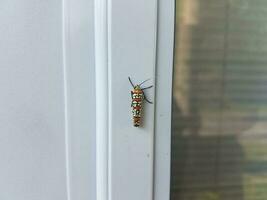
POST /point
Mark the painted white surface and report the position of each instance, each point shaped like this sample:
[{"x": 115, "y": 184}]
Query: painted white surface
[
  {"x": 32, "y": 144},
  {"x": 102, "y": 98},
  {"x": 165, "y": 45},
  {"x": 79, "y": 29},
  {"x": 36, "y": 116},
  {"x": 132, "y": 52}
]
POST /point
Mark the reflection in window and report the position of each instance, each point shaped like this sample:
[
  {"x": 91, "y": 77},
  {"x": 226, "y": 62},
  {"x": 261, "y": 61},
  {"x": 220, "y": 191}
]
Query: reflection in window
[{"x": 219, "y": 131}]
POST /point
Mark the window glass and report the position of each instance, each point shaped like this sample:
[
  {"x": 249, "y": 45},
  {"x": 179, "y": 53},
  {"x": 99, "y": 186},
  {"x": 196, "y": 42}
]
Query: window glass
[{"x": 219, "y": 122}]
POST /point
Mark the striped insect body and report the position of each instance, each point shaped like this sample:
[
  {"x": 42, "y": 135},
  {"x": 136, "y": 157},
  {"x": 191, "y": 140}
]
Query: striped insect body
[{"x": 138, "y": 97}]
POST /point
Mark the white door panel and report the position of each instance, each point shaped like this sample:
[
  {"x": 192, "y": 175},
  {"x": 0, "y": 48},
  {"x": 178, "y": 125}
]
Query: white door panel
[
  {"x": 39, "y": 151},
  {"x": 32, "y": 145}
]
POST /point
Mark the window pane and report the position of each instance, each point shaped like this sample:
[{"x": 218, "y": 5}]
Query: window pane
[{"x": 219, "y": 131}]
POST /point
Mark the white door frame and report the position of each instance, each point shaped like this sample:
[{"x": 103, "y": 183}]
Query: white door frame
[
  {"x": 115, "y": 43},
  {"x": 165, "y": 49}
]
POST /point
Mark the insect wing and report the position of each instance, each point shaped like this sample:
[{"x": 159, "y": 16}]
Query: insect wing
[{"x": 137, "y": 99}]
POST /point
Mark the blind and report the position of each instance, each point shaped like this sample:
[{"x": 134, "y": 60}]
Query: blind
[{"x": 219, "y": 123}]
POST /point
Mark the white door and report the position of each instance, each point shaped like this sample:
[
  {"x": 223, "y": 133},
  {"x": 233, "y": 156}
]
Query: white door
[
  {"x": 66, "y": 122},
  {"x": 47, "y": 147}
]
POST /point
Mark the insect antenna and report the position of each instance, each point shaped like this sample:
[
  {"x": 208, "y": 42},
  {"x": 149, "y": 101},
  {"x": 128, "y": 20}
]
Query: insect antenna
[
  {"x": 131, "y": 81},
  {"x": 144, "y": 82},
  {"x": 147, "y": 87}
]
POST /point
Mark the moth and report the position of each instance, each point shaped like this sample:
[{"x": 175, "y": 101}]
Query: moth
[{"x": 138, "y": 97}]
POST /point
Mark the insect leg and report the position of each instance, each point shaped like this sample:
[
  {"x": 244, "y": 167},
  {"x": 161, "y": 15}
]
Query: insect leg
[
  {"x": 147, "y": 87},
  {"x": 131, "y": 81},
  {"x": 147, "y": 99},
  {"x": 132, "y": 98}
]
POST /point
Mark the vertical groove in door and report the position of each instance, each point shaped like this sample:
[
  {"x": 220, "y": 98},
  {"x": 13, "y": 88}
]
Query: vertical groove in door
[
  {"x": 109, "y": 58},
  {"x": 101, "y": 70},
  {"x": 65, "y": 41}
]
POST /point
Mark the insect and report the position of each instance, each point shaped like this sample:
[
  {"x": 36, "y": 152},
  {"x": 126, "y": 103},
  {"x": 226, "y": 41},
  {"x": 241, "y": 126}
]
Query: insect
[{"x": 138, "y": 96}]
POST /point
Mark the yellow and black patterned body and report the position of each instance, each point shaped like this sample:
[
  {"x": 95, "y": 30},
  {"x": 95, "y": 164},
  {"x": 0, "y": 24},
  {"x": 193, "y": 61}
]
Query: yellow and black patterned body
[{"x": 137, "y": 103}]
